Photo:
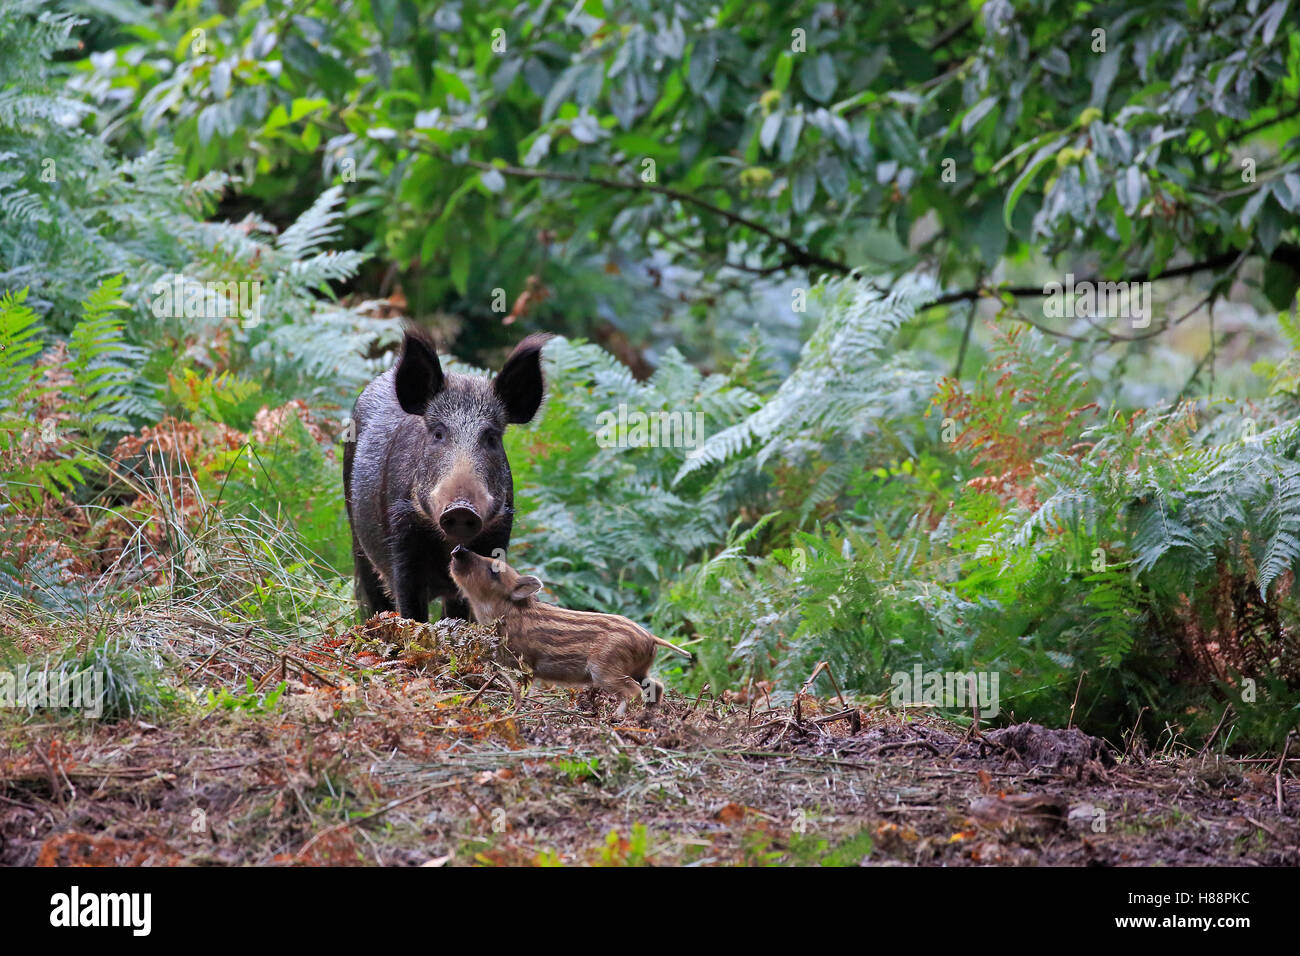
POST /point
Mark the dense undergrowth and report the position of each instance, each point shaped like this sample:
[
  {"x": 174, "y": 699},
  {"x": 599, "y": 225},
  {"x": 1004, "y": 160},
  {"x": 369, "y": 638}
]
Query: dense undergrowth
[
  {"x": 1117, "y": 566},
  {"x": 865, "y": 513}
]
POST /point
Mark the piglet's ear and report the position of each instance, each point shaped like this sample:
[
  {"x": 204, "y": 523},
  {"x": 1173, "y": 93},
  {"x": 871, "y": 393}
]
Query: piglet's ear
[
  {"x": 519, "y": 385},
  {"x": 525, "y": 588},
  {"x": 419, "y": 376}
]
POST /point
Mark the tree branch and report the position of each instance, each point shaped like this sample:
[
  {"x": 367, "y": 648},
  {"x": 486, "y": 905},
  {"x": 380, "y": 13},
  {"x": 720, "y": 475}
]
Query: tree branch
[
  {"x": 1032, "y": 291},
  {"x": 798, "y": 255},
  {"x": 1287, "y": 254},
  {"x": 1228, "y": 262},
  {"x": 960, "y": 27}
]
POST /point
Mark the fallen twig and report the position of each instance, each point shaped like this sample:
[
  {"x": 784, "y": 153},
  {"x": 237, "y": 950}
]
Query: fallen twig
[
  {"x": 208, "y": 660},
  {"x": 898, "y": 744},
  {"x": 486, "y": 684},
  {"x": 1281, "y": 764},
  {"x": 852, "y": 715},
  {"x": 370, "y": 816},
  {"x": 1267, "y": 829},
  {"x": 1214, "y": 733},
  {"x": 56, "y": 790},
  {"x": 822, "y": 666}
]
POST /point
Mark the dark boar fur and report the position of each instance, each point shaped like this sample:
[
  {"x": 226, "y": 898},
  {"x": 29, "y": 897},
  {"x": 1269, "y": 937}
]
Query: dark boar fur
[
  {"x": 569, "y": 648},
  {"x": 428, "y": 472}
]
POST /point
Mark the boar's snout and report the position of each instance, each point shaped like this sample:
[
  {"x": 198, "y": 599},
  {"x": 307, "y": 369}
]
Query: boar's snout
[{"x": 460, "y": 521}]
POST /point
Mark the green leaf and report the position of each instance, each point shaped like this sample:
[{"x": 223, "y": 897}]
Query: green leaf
[
  {"x": 452, "y": 84},
  {"x": 460, "y": 267},
  {"x": 803, "y": 188},
  {"x": 977, "y": 113},
  {"x": 817, "y": 75},
  {"x": 1056, "y": 61},
  {"x": 1128, "y": 189},
  {"x": 1104, "y": 77},
  {"x": 1036, "y": 162},
  {"x": 703, "y": 56},
  {"x": 297, "y": 110},
  {"x": 782, "y": 71},
  {"x": 1252, "y": 206},
  {"x": 990, "y": 232},
  {"x": 1281, "y": 282},
  {"x": 791, "y": 128},
  {"x": 1269, "y": 226},
  {"x": 831, "y": 173},
  {"x": 899, "y": 139},
  {"x": 768, "y": 131}
]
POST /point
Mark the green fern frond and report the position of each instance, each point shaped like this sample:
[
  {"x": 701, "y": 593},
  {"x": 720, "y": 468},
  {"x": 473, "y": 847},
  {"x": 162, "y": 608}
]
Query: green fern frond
[
  {"x": 833, "y": 388},
  {"x": 319, "y": 225}
]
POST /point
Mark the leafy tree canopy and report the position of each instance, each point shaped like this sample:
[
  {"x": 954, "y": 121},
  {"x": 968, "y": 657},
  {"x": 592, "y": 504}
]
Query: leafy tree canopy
[{"x": 490, "y": 142}]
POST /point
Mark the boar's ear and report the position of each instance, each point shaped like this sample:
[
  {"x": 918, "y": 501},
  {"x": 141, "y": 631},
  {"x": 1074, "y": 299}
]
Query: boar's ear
[
  {"x": 526, "y": 587},
  {"x": 419, "y": 376},
  {"x": 519, "y": 385}
]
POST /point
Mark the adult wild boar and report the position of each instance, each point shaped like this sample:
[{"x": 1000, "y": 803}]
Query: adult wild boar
[{"x": 428, "y": 472}]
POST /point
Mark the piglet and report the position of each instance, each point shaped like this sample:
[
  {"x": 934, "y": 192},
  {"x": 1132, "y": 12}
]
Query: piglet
[{"x": 560, "y": 646}]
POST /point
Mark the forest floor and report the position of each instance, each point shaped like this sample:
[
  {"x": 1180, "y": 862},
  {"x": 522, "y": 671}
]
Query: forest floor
[{"x": 401, "y": 744}]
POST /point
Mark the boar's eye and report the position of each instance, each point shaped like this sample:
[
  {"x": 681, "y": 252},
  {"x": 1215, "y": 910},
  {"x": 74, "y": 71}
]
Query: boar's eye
[
  {"x": 439, "y": 433},
  {"x": 491, "y": 436}
]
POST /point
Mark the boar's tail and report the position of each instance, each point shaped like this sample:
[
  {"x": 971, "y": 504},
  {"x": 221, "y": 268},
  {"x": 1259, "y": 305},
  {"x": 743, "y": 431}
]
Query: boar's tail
[{"x": 662, "y": 643}]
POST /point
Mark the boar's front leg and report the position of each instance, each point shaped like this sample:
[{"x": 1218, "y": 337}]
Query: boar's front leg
[
  {"x": 410, "y": 580},
  {"x": 369, "y": 589},
  {"x": 411, "y": 589},
  {"x": 456, "y": 607}
]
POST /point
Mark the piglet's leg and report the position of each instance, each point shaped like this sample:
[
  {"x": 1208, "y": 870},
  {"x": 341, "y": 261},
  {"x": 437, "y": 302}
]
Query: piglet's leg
[
  {"x": 620, "y": 685},
  {"x": 629, "y": 690}
]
